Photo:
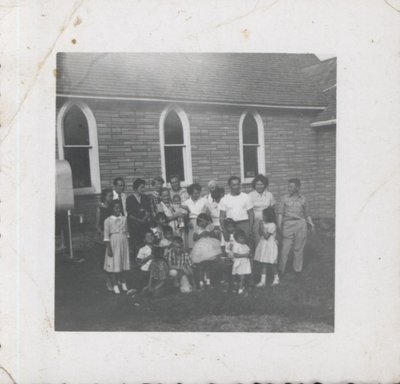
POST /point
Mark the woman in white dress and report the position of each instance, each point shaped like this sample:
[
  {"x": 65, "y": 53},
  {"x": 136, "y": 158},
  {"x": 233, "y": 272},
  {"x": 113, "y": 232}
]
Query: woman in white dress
[{"x": 262, "y": 199}]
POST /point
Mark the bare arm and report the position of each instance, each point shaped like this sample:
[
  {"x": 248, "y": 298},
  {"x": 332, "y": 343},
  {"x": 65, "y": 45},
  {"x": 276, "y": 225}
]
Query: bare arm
[
  {"x": 307, "y": 215},
  {"x": 107, "y": 235},
  {"x": 109, "y": 249},
  {"x": 261, "y": 228},
  {"x": 159, "y": 285},
  {"x": 250, "y": 212},
  {"x": 137, "y": 220},
  {"x": 143, "y": 260},
  {"x": 175, "y": 216},
  {"x": 222, "y": 217},
  {"x": 241, "y": 256},
  {"x": 280, "y": 216}
]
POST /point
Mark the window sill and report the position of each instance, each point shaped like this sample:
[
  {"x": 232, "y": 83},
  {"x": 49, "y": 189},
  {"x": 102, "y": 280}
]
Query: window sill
[
  {"x": 248, "y": 180},
  {"x": 85, "y": 191},
  {"x": 183, "y": 184}
]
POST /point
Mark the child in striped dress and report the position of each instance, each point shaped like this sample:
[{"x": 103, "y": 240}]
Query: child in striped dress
[{"x": 180, "y": 265}]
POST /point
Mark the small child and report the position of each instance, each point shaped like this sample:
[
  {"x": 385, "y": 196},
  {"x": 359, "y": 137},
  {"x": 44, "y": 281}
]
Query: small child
[
  {"x": 178, "y": 208},
  {"x": 226, "y": 259},
  {"x": 116, "y": 261},
  {"x": 180, "y": 266},
  {"x": 145, "y": 256},
  {"x": 267, "y": 248},
  {"x": 158, "y": 231},
  {"x": 157, "y": 183},
  {"x": 168, "y": 234},
  {"x": 158, "y": 280},
  {"x": 241, "y": 263},
  {"x": 206, "y": 248}
]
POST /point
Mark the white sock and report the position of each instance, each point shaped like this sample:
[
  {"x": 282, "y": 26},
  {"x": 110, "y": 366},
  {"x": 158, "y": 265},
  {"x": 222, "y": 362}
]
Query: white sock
[{"x": 263, "y": 278}]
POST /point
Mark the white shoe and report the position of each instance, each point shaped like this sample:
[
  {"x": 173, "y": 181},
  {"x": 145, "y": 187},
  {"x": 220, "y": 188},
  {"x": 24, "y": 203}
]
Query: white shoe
[
  {"x": 201, "y": 284},
  {"x": 241, "y": 291},
  {"x": 276, "y": 281},
  {"x": 260, "y": 285},
  {"x": 116, "y": 290},
  {"x": 124, "y": 287}
]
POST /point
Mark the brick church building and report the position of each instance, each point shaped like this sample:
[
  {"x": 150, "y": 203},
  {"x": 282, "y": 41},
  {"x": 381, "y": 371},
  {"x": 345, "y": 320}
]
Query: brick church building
[{"x": 202, "y": 116}]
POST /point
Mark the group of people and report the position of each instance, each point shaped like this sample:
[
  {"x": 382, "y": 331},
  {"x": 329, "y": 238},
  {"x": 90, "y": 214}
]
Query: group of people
[{"x": 179, "y": 238}]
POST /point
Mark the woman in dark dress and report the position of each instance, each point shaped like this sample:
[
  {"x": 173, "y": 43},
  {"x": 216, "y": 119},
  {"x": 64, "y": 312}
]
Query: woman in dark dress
[{"x": 138, "y": 207}]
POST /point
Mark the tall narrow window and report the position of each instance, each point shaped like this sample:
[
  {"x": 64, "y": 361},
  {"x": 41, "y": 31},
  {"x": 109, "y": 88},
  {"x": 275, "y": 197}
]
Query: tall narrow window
[
  {"x": 77, "y": 147},
  {"x": 175, "y": 144},
  {"x": 251, "y": 146},
  {"x": 77, "y": 138}
]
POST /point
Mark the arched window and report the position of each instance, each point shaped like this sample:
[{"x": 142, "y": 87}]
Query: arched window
[
  {"x": 251, "y": 137},
  {"x": 77, "y": 143},
  {"x": 176, "y": 157}
]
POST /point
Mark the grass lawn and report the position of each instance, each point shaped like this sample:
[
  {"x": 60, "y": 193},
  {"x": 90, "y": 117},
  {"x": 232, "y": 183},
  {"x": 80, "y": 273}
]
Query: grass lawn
[{"x": 82, "y": 302}]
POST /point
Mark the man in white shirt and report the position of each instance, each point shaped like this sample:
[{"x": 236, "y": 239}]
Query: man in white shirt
[
  {"x": 237, "y": 206},
  {"x": 118, "y": 193}
]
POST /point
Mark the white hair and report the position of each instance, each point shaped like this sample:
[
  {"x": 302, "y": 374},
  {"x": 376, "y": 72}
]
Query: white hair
[{"x": 211, "y": 183}]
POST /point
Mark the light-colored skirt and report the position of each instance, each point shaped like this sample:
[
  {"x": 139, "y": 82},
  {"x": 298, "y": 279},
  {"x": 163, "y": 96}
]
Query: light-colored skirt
[
  {"x": 267, "y": 251},
  {"x": 120, "y": 260},
  {"x": 206, "y": 248},
  {"x": 241, "y": 266}
]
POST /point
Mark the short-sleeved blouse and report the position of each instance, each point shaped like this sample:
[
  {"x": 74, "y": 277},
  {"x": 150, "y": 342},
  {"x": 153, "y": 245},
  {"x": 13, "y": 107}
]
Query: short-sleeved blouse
[
  {"x": 195, "y": 207},
  {"x": 261, "y": 201}
]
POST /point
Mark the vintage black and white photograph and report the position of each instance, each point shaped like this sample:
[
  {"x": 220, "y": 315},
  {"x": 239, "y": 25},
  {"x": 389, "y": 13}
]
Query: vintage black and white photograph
[{"x": 195, "y": 192}]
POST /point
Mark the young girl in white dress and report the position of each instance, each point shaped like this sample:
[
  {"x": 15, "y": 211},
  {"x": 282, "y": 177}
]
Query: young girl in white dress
[
  {"x": 206, "y": 248},
  {"x": 116, "y": 261},
  {"x": 241, "y": 262},
  {"x": 267, "y": 248}
]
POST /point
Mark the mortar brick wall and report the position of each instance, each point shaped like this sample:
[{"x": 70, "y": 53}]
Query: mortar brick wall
[
  {"x": 128, "y": 138},
  {"x": 326, "y": 175}
]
